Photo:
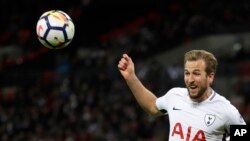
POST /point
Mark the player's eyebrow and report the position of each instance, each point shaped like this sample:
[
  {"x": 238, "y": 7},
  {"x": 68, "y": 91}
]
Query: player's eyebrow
[{"x": 195, "y": 70}]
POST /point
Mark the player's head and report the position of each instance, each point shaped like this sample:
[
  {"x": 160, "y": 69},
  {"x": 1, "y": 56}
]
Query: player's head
[{"x": 200, "y": 67}]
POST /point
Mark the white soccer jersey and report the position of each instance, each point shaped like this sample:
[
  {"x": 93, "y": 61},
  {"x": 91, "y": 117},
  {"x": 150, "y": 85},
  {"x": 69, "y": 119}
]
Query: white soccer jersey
[{"x": 192, "y": 121}]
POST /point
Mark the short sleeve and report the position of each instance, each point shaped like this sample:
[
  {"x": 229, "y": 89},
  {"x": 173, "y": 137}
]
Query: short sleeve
[{"x": 163, "y": 102}]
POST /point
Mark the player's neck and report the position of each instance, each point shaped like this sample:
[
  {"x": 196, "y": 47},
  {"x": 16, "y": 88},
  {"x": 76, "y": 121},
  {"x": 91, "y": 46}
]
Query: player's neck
[{"x": 205, "y": 96}]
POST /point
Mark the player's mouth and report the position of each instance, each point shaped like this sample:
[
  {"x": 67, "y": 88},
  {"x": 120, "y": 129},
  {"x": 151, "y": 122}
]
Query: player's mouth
[{"x": 193, "y": 88}]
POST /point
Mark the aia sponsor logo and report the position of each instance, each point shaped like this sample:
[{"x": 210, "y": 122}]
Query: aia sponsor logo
[{"x": 185, "y": 134}]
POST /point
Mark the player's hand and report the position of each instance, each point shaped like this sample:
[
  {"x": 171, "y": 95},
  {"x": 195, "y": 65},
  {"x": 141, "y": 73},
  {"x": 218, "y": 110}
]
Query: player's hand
[{"x": 126, "y": 67}]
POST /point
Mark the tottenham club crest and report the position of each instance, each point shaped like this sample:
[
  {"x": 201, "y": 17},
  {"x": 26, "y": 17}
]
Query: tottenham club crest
[{"x": 209, "y": 119}]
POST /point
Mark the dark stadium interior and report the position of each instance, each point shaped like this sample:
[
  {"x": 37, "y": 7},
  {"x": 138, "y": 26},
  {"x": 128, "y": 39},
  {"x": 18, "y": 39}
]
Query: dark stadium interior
[{"x": 77, "y": 93}]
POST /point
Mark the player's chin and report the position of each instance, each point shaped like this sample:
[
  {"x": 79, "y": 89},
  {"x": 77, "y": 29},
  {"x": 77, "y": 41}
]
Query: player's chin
[{"x": 193, "y": 92}]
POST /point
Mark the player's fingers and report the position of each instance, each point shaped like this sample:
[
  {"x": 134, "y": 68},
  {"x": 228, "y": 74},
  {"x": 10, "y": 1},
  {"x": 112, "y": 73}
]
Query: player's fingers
[
  {"x": 122, "y": 65},
  {"x": 126, "y": 57}
]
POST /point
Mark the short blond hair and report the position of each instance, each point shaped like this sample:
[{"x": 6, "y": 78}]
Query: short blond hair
[{"x": 208, "y": 57}]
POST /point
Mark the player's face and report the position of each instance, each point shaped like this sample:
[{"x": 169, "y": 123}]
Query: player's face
[{"x": 197, "y": 80}]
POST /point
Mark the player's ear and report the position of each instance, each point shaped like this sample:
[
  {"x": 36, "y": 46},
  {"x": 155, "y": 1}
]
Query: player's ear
[{"x": 210, "y": 77}]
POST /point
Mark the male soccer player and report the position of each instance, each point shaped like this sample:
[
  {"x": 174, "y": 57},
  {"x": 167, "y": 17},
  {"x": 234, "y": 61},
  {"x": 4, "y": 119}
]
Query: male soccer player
[{"x": 197, "y": 112}]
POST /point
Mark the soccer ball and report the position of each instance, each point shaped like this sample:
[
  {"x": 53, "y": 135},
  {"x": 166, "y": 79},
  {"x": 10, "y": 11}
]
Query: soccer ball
[{"x": 55, "y": 29}]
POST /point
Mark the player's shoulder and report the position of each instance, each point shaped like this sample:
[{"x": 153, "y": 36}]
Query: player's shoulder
[
  {"x": 218, "y": 98},
  {"x": 229, "y": 110},
  {"x": 223, "y": 102}
]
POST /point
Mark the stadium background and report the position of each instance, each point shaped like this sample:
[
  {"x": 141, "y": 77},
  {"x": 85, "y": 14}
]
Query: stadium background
[{"x": 77, "y": 93}]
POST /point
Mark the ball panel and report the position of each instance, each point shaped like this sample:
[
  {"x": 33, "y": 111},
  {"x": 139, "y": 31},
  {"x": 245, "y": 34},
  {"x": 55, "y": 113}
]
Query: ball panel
[
  {"x": 55, "y": 37},
  {"x": 41, "y": 27},
  {"x": 55, "y": 20},
  {"x": 70, "y": 30},
  {"x": 65, "y": 14}
]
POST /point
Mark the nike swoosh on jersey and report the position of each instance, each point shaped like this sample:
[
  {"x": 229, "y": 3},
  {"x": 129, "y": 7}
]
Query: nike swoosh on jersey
[{"x": 174, "y": 108}]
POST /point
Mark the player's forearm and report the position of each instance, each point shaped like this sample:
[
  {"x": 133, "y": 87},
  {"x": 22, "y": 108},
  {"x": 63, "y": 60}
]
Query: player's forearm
[{"x": 143, "y": 96}]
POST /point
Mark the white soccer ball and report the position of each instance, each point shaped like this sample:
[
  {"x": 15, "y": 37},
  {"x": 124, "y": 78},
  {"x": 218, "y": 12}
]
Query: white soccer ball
[{"x": 55, "y": 29}]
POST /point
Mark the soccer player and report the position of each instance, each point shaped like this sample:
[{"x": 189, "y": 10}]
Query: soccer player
[{"x": 197, "y": 112}]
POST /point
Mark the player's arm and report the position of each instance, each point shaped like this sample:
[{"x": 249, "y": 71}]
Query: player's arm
[{"x": 145, "y": 98}]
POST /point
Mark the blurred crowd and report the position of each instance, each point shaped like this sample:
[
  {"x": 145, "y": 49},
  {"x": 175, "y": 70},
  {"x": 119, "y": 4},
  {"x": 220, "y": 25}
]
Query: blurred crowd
[{"x": 77, "y": 94}]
